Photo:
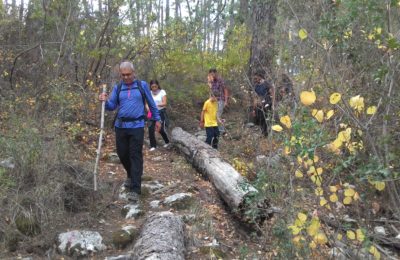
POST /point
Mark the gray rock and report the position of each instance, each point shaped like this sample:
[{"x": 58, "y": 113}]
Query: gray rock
[
  {"x": 113, "y": 158},
  {"x": 266, "y": 160},
  {"x": 80, "y": 243},
  {"x": 158, "y": 159},
  {"x": 155, "y": 204},
  {"x": 337, "y": 253},
  {"x": 179, "y": 201},
  {"x": 123, "y": 193},
  {"x": 132, "y": 211},
  {"x": 153, "y": 185},
  {"x": 124, "y": 237},
  {"x": 250, "y": 125},
  {"x": 7, "y": 163},
  {"x": 380, "y": 230}
]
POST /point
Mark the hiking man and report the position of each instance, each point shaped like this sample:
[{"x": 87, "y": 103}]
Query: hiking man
[
  {"x": 218, "y": 88},
  {"x": 130, "y": 96},
  {"x": 263, "y": 101}
]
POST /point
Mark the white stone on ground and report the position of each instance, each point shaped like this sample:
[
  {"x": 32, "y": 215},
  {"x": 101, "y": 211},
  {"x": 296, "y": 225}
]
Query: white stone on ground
[{"x": 83, "y": 242}]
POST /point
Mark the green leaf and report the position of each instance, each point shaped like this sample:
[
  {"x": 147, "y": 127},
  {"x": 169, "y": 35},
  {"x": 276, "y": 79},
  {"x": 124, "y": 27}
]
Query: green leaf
[{"x": 302, "y": 34}]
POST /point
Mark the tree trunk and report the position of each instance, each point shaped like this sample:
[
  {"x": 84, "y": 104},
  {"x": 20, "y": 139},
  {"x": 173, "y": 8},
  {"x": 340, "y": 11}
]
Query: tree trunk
[
  {"x": 138, "y": 23},
  {"x": 162, "y": 237},
  {"x": 167, "y": 12},
  {"x": 244, "y": 11},
  {"x": 232, "y": 187},
  {"x": 262, "y": 42}
]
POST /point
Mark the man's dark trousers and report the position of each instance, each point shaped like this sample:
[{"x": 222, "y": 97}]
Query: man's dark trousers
[{"x": 129, "y": 143}]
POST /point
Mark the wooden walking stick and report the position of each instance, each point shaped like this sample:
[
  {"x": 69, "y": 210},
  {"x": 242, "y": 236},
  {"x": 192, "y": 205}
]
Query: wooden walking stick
[{"x": 103, "y": 104}]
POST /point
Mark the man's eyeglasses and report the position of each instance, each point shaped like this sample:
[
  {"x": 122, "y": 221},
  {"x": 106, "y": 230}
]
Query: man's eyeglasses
[{"x": 126, "y": 75}]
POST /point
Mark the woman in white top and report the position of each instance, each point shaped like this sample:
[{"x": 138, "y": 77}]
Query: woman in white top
[{"x": 160, "y": 98}]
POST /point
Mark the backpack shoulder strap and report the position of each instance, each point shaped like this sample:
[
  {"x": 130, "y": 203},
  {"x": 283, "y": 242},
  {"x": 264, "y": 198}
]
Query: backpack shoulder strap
[
  {"x": 119, "y": 87},
  {"x": 140, "y": 87}
]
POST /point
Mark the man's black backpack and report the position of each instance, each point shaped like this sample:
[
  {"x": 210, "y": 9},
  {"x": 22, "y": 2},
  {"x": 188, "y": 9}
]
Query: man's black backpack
[{"x": 139, "y": 86}]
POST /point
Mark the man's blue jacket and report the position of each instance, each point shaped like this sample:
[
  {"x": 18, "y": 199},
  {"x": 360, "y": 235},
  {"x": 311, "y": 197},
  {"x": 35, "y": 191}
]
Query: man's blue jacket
[{"x": 131, "y": 105}]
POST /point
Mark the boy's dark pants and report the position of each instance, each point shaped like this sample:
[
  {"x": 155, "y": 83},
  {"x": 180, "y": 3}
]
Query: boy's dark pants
[
  {"x": 212, "y": 136},
  {"x": 129, "y": 143}
]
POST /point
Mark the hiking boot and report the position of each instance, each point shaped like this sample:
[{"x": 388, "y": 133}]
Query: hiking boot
[
  {"x": 166, "y": 145},
  {"x": 128, "y": 183},
  {"x": 132, "y": 196}
]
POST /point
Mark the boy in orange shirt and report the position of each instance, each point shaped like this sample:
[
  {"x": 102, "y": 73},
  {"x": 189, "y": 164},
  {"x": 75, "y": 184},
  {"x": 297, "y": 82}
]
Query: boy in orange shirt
[{"x": 208, "y": 119}]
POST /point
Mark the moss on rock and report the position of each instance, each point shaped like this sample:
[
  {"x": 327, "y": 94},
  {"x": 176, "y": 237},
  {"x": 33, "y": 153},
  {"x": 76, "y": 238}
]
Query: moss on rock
[{"x": 122, "y": 238}]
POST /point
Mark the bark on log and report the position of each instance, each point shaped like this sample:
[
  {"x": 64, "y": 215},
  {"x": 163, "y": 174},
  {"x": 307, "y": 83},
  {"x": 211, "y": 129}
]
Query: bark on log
[
  {"x": 231, "y": 186},
  {"x": 162, "y": 237}
]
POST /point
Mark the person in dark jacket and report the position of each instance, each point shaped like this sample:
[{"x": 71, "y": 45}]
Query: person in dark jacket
[
  {"x": 263, "y": 101},
  {"x": 129, "y": 124}
]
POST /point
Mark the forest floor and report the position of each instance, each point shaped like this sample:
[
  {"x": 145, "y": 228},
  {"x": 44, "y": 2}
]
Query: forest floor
[{"x": 213, "y": 231}]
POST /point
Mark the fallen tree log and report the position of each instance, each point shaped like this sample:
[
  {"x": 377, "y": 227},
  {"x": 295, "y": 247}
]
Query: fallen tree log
[
  {"x": 231, "y": 186},
  {"x": 162, "y": 237}
]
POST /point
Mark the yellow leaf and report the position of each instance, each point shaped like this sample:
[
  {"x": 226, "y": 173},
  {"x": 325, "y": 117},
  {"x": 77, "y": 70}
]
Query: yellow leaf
[
  {"x": 339, "y": 237},
  {"x": 329, "y": 114},
  {"x": 336, "y": 144},
  {"x": 356, "y": 196},
  {"x": 351, "y": 235},
  {"x": 319, "y": 191},
  {"x": 277, "y": 128},
  {"x": 316, "y": 180},
  {"x": 378, "y": 30},
  {"x": 285, "y": 120},
  {"x": 333, "y": 198},
  {"x": 333, "y": 188},
  {"x": 297, "y": 240},
  {"x": 379, "y": 185},
  {"x": 375, "y": 252},
  {"x": 302, "y": 34},
  {"x": 307, "y": 97},
  {"x": 298, "y": 174},
  {"x": 322, "y": 201},
  {"x": 299, "y": 159},
  {"x": 349, "y": 192},
  {"x": 295, "y": 229},
  {"x": 309, "y": 162},
  {"x": 360, "y": 235},
  {"x": 347, "y": 200},
  {"x": 345, "y": 135},
  {"x": 357, "y": 103},
  {"x": 287, "y": 150},
  {"x": 371, "y": 110},
  {"x": 316, "y": 158},
  {"x": 335, "y": 98},
  {"x": 320, "y": 170},
  {"x": 320, "y": 238},
  {"x": 311, "y": 170},
  {"x": 302, "y": 217},
  {"x": 312, "y": 245},
  {"x": 314, "y": 226},
  {"x": 319, "y": 115}
]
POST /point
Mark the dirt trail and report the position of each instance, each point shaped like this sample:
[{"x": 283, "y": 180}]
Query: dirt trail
[{"x": 213, "y": 233}]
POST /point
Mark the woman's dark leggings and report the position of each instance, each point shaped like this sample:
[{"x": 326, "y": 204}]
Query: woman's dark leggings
[{"x": 152, "y": 129}]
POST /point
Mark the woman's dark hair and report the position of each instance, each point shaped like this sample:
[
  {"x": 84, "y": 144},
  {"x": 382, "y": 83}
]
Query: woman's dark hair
[
  {"x": 155, "y": 82},
  {"x": 212, "y": 70}
]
